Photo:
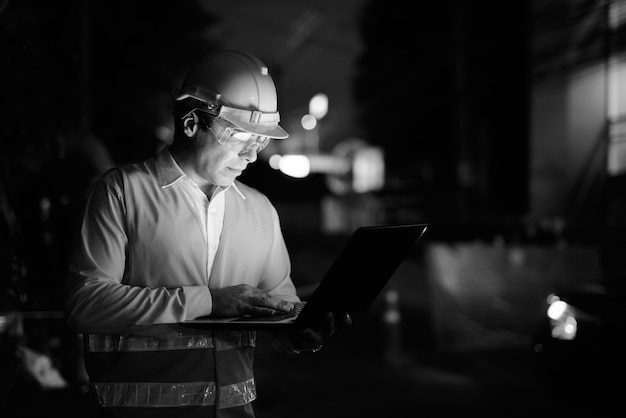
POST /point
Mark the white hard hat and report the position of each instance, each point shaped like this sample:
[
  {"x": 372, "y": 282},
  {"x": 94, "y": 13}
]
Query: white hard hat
[{"x": 237, "y": 87}]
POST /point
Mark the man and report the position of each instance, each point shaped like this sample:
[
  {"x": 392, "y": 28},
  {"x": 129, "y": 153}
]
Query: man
[{"x": 177, "y": 237}]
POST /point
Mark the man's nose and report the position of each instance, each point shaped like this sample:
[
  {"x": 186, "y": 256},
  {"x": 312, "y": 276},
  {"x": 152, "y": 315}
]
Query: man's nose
[{"x": 249, "y": 155}]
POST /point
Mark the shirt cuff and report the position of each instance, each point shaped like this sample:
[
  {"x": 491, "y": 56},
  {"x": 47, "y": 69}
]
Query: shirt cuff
[{"x": 198, "y": 301}]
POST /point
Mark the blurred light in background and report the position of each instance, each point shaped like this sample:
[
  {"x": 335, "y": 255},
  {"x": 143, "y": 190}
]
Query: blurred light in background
[
  {"x": 352, "y": 167},
  {"x": 360, "y": 171},
  {"x": 274, "y": 161},
  {"x": 318, "y": 106},
  {"x": 368, "y": 168},
  {"x": 308, "y": 122},
  {"x": 562, "y": 319},
  {"x": 616, "y": 159},
  {"x": 298, "y": 166}
]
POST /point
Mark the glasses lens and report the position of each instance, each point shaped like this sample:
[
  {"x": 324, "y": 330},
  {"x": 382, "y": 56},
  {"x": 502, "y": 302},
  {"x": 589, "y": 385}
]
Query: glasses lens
[
  {"x": 241, "y": 135},
  {"x": 263, "y": 142},
  {"x": 257, "y": 143},
  {"x": 237, "y": 139}
]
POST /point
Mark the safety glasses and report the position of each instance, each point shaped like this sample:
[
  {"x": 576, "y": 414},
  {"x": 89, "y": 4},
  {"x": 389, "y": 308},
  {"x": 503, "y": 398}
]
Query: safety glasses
[{"x": 236, "y": 139}]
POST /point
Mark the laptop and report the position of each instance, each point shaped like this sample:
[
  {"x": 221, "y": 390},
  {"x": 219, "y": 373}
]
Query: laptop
[{"x": 367, "y": 261}]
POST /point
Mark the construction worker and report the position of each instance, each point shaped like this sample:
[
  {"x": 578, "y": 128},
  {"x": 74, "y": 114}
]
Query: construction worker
[{"x": 178, "y": 237}]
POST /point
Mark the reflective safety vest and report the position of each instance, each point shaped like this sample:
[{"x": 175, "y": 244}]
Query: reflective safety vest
[{"x": 200, "y": 373}]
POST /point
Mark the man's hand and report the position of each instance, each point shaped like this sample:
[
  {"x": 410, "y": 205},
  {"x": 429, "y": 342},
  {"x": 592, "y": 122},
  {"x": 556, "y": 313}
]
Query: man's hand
[
  {"x": 243, "y": 299},
  {"x": 309, "y": 340}
]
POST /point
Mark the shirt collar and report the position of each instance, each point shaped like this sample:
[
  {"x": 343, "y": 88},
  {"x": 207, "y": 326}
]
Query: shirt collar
[{"x": 169, "y": 172}]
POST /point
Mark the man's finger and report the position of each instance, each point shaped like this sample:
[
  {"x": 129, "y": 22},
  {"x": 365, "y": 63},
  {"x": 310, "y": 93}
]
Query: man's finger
[
  {"x": 260, "y": 311},
  {"x": 268, "y": 301},
  {"x": 285, "y": 306}
]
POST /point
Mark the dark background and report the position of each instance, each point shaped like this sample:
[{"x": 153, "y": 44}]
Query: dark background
[
  {"x": 87, "y": 84},
  {"x": 443, "y": 88}
]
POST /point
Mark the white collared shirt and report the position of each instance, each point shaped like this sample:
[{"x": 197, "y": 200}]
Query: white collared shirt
[
  {"x": 151, "y": 245},
  {"x": 211, "y": 213}
]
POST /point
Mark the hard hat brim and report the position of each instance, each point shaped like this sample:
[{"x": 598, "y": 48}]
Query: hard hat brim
[{"x": 253, "y": 121}]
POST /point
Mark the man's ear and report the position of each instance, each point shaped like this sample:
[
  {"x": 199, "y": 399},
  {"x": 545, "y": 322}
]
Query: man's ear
[{"x": 190, "y": 124}]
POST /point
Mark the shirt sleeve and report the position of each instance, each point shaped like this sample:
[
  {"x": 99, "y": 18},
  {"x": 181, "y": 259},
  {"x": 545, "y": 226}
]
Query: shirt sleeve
[
  {"x": 277, "y": 278},
  {"x": 96, "y": 299}
]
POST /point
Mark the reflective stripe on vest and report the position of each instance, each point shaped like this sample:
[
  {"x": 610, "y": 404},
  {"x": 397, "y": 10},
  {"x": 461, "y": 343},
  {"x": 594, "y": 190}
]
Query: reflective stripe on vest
[
  {"x": 174, "y": 394},
  {"x": 112, "y": 392},
  {"x": 97, "y": 343}
]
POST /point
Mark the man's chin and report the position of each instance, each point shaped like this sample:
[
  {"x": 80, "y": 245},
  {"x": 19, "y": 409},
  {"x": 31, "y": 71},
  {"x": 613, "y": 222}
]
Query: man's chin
[{"x": 226, "y": 181}]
